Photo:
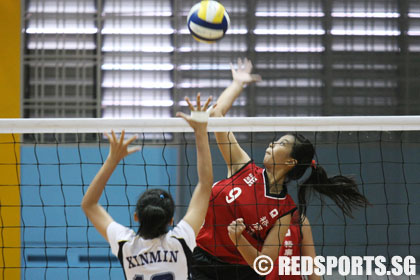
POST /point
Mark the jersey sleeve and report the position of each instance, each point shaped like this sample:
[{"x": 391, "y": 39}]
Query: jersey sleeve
[
  {"x": 185, "y": 231},
  {"x": 116, "y": 233}
]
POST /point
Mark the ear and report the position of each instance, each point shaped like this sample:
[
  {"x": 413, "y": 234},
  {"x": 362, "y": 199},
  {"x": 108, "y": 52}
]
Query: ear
[
  {"x": 136, "y": 218},
  {"x": 291, "y": 161},
  {"x": 171, "y": 223}
]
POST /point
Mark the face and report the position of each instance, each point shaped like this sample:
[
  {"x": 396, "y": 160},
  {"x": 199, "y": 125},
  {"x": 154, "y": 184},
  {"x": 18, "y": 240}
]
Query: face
[{"x": 277, "y": 155}]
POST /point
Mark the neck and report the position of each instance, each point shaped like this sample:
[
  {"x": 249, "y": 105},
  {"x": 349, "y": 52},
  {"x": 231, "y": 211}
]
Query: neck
[{"x": 275, "y": 182}]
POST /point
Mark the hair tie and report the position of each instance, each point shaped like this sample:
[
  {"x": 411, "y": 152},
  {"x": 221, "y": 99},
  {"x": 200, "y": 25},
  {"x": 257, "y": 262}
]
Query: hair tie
[
  {"x": 161, "y": 196},
  {"x": 313, "y": 164}
]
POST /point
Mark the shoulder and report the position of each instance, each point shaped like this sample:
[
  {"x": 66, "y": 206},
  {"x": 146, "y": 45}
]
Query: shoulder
[
  {"x": 117, "y": 233},
  {"x": 185, "y": 231}
]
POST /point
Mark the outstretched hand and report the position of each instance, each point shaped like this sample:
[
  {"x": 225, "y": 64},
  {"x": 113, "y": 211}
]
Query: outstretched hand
[
  {"x": 242, "y": 74},
  {"x": 119, "y": 148},
  {"x": 194, "y": 123}
]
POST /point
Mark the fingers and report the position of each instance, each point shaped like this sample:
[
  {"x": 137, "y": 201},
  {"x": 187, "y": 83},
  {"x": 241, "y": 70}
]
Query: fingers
[
  {"x": 133, "y": 150},
  {"x": 182, "y": 115},
  {"x": 114, "y": 138},
  {"x": 189, "y": 103},
  {"x": 107, "y": 136},
  {"x": 198, "y": 102},
  {"x": 239, "y": 64},
  {"x": 248, "y": 66},
  {"x": 236, "y": 227},
  {"x": 238, "y": 223},
  {"x": 232, "y": 68},
  {"x": 206, "y": 105},
  {"x": 129, "y": 141},
  {"x": 199, "y": 108},
  {"x": 256, "y": 77},
  {"x": 121, "y": 141}
]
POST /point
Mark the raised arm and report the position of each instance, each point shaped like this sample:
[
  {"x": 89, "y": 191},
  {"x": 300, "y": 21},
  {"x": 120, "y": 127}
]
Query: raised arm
[
  {"x": 96, "y": 214},
  {"x": 200, "y": 199},
  {"x": 271, "y": 245},
  {"x": 234, "y": 156},
  {"x": 240, "y": 77}
]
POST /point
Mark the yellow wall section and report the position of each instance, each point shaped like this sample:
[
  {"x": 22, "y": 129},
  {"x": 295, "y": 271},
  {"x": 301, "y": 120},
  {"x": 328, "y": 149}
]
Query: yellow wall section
[{"x": 9, "y": 108}]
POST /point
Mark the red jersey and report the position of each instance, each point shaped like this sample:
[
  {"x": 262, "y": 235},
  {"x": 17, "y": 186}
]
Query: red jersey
[
  {"x": 244, "y": 195},
  {"x": 290, "y": 247}
]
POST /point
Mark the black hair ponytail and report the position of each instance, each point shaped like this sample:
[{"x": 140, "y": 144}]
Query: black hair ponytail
[
  {"x": 155, "y": 209},
  {"x": 342, "y": 190}
]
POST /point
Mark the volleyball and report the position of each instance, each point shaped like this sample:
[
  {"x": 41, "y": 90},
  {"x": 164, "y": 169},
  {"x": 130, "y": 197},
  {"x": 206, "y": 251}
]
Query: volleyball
[{"x": 208, "y": 21}]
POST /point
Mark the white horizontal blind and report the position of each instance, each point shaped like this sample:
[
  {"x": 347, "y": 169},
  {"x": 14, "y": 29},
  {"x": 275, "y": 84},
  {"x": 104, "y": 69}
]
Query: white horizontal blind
[
  {"x": 59, "y": 59},
  {"x": 136, "y": 58}
]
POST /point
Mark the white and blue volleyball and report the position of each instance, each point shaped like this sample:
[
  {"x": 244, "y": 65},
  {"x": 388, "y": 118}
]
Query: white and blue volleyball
[{"x": 208, "y": 21}]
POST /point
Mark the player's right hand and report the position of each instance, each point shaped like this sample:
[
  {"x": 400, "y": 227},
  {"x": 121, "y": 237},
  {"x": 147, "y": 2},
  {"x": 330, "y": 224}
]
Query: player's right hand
[{"x": 242, "y": 74}]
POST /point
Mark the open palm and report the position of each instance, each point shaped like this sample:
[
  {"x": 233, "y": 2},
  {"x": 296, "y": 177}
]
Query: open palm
[{"x": 243, "y": 72}]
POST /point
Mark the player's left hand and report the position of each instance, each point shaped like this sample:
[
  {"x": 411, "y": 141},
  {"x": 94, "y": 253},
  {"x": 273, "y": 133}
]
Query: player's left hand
[
  {"x": 119, "y": 148},
  {"x": 235, "y": 229},
  {"x": 195, "y": 123}
]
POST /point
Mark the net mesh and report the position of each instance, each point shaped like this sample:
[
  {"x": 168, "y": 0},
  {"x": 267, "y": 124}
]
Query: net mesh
[{"x": 52, "y": 174}]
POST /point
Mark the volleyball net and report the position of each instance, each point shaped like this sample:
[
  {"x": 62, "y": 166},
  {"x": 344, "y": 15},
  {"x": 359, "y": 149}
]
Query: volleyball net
[{"x": 47, "y": 165}]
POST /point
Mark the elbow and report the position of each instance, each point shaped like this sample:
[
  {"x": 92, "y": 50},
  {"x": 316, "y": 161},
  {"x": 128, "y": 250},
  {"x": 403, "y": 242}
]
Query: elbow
[
  {"x": 85, "y": 205},
  {"x": 205, "y": 184},
  {"x": 209, "y": 181}
]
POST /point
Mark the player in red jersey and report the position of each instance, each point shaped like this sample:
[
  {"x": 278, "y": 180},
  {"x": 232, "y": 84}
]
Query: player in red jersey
[
  {"x": 258, "y": 195},
  {"x": 297, "y": 242}
]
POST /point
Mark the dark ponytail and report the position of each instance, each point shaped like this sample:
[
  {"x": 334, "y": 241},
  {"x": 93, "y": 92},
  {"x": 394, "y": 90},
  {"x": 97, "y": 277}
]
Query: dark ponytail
[
  {"x": 155, "y": 209},
  {"x": 342, "y": 190}
]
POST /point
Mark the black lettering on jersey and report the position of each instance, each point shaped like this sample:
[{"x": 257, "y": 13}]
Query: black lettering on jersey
[
  {"x": 166, "y": 253},
  {"x": 135, "y": 258},
  {"x": 144, "y": 259},
  {"x": 155, "y": 257},
  {"x": 174, "y": 256},
  {"x": 152, "y": 257},
  {"x": 130, "y": 264}
]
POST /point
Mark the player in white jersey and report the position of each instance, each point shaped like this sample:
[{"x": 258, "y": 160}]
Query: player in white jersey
[{"x": 154, "y": 252}]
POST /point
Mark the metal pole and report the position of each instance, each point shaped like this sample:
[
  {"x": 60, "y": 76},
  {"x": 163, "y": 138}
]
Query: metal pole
[{"x": 98, "y": 58}]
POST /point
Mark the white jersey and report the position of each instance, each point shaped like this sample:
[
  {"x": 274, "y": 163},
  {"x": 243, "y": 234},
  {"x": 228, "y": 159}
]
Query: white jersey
[{"x": 151, "y": 259}]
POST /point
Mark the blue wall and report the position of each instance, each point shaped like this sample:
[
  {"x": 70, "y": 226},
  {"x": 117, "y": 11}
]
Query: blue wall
[
  {"x": 386, "y": 171},
  {"x": 61, "y": 233}
]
